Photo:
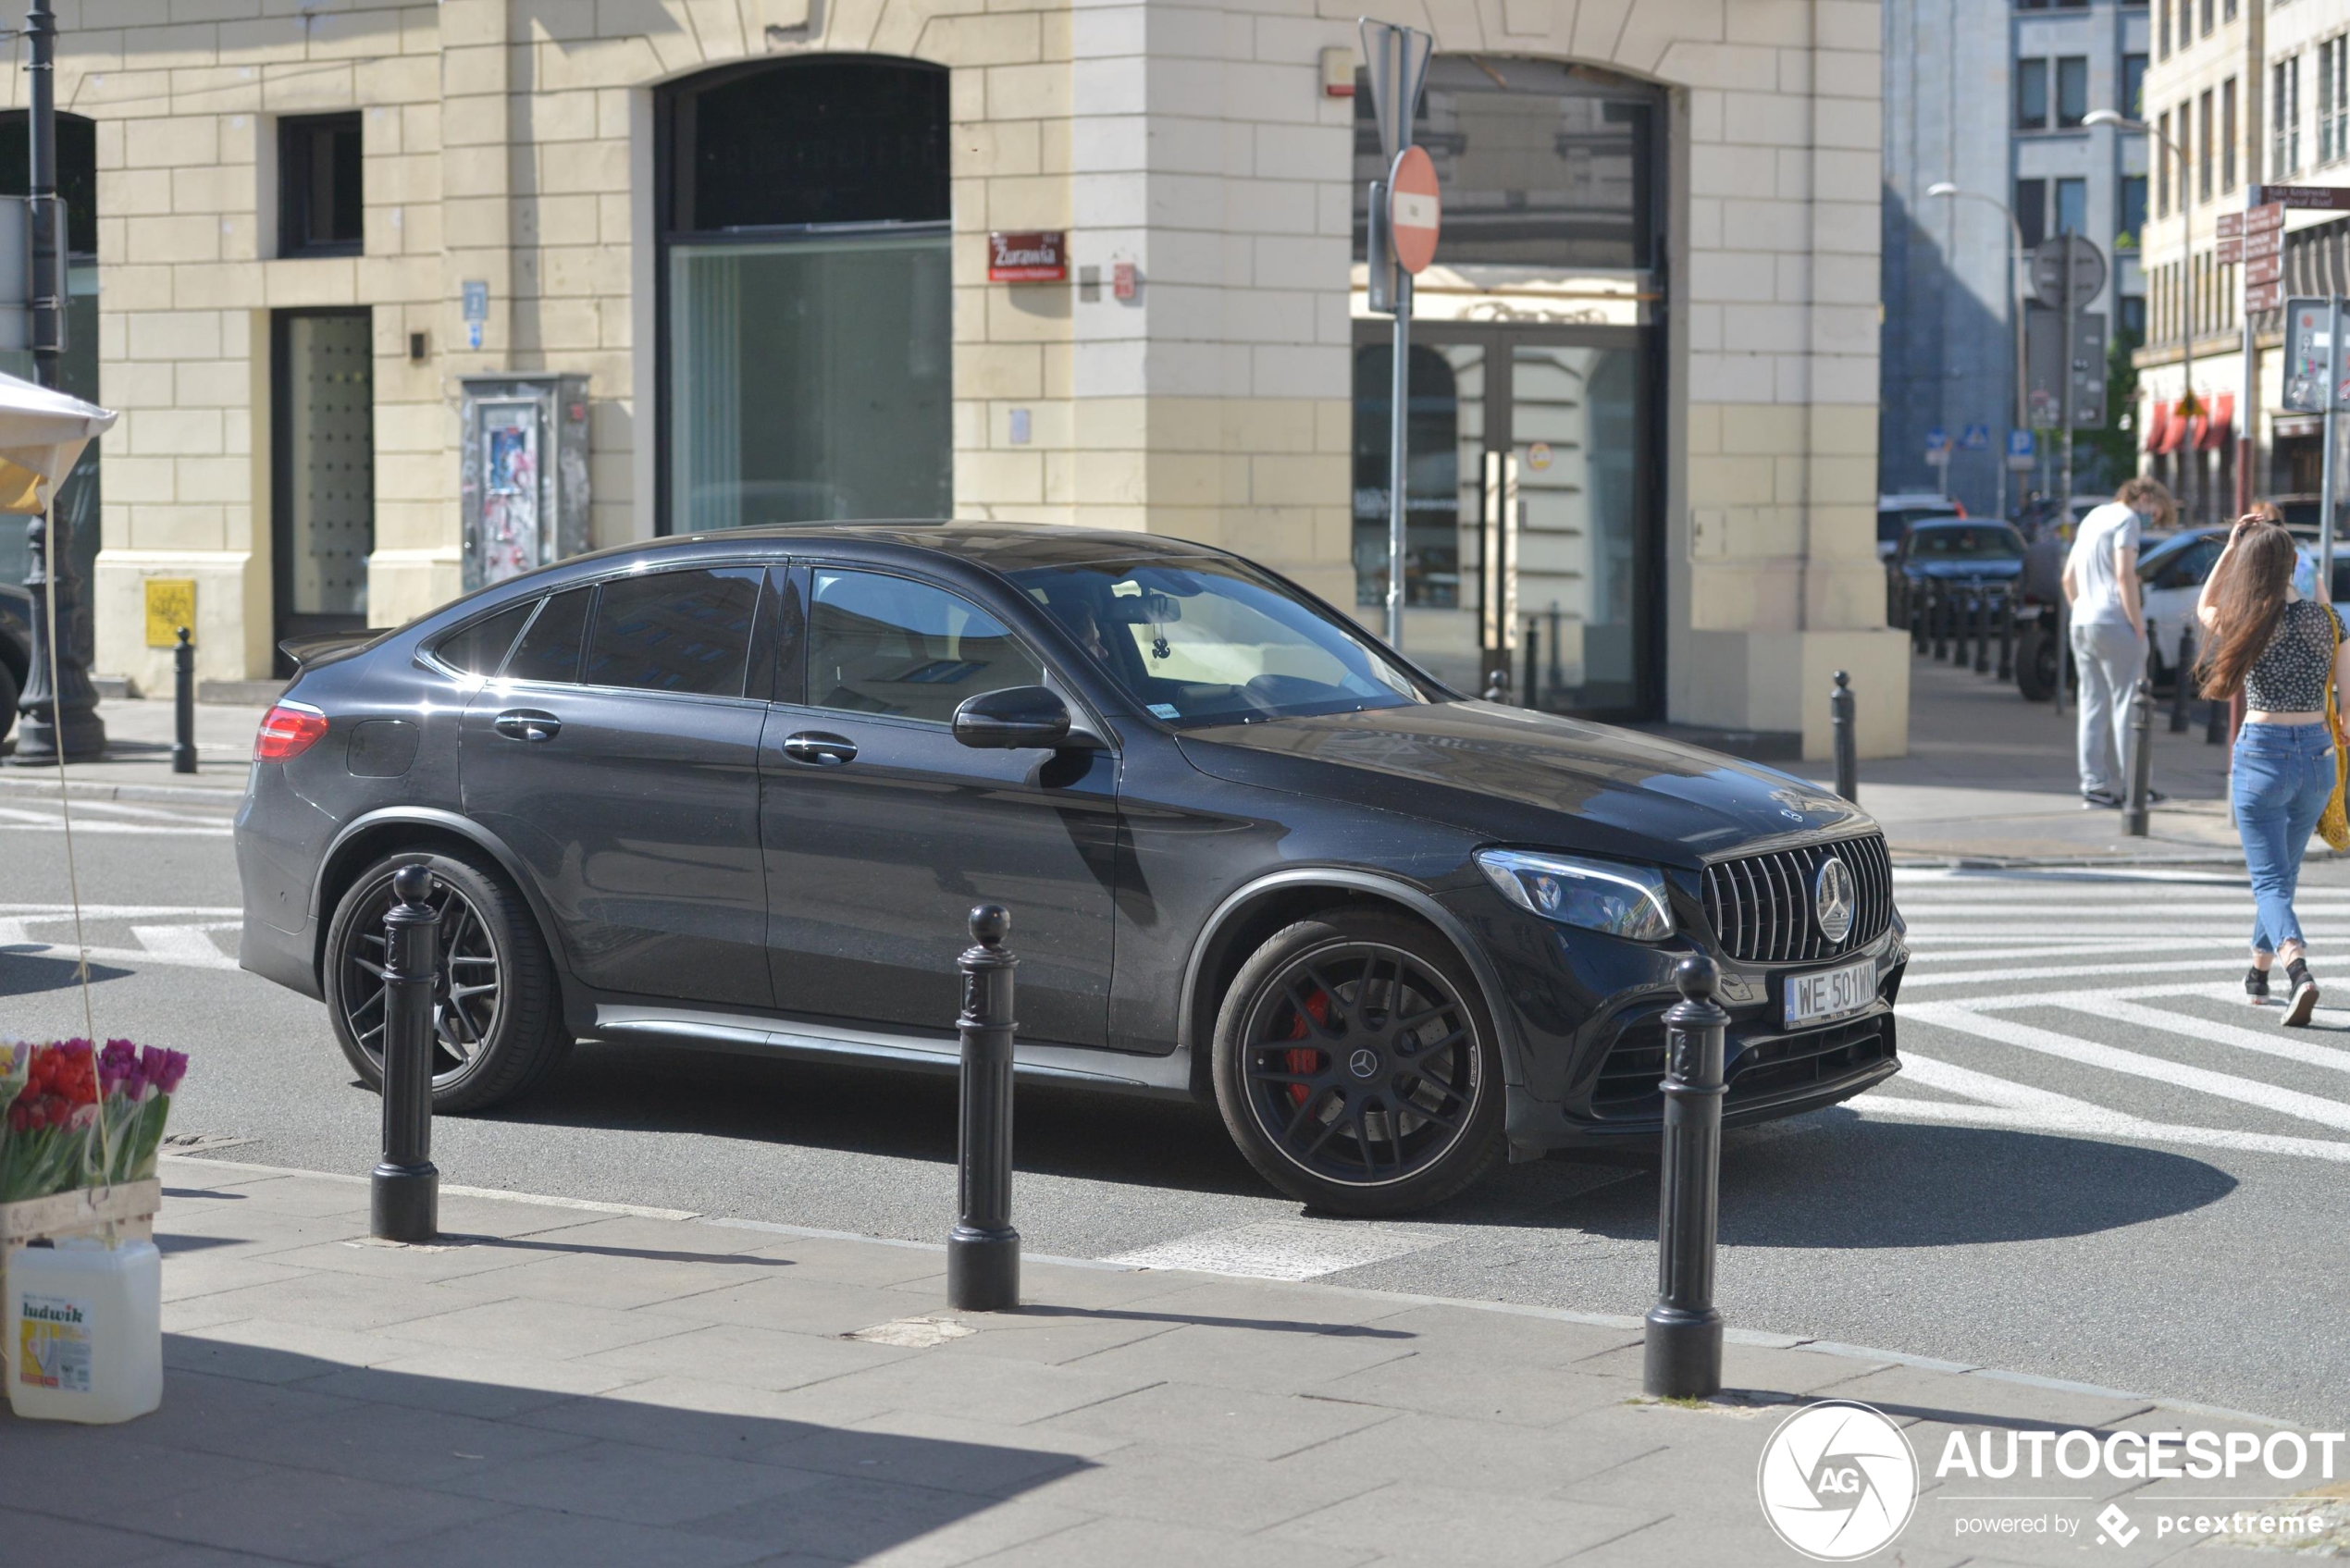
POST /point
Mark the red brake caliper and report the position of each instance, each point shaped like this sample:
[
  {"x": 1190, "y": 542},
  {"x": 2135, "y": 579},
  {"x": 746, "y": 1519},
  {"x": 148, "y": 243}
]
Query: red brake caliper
[{"x": 1303, "y": 1059}]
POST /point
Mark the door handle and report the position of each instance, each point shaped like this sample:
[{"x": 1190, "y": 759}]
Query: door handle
[
  {"x": 528, "y": 723},
  {"x": 819, "y": 748}
]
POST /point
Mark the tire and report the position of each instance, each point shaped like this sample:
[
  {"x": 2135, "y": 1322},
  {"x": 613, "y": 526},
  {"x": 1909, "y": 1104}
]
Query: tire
[
  {"x": 1320, "y": 1120},
  {"x": 484, "y": 1052},
  {"x": 10, "y": 689},
  {"x": 2035, "y": 664}
]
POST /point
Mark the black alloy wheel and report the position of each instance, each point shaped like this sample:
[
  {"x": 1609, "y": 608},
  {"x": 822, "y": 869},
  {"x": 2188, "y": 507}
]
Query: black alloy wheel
[
  {"x": 496, "y": 1024},
  {"x": 1356, "y": 1066}
]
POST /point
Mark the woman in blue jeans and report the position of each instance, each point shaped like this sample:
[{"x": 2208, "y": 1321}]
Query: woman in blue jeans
[{"x": 2283, "y": 652}]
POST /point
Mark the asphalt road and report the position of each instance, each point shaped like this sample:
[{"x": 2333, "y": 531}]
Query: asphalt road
[{"x": 2100, "y": 1164}]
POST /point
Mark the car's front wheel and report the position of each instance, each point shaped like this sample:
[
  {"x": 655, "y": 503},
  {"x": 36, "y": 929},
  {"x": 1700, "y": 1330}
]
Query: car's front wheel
[
  {"x": 497, "y": 1013},
  {"x": 1355, "y": 1065}
]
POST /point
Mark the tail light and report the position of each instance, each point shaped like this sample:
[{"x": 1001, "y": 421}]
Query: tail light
[{"x": 286, "y": 731}]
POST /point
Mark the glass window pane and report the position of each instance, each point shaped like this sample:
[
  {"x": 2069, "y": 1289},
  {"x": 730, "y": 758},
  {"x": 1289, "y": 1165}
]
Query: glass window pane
[
  {"x": 809, "y": 381},
  {"x": 2072, "y": 90},
  {"x": 2073, "y": 206},
  {"x": 2032, "y": 94},
  {"x": 1214, "y": 641},
  {"x": 675, "y": 631},
  {"x": 1541, "y": 163},
  {"x": 478, "y": 648},
  {"x": 890, "y": 645},
  {"x": 549, "y": 650},
  {"x": 1575, "y": 414}
]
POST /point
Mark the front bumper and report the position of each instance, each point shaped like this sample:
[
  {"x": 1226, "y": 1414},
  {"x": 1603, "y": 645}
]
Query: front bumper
[{"x": 1587, "y": 1012}]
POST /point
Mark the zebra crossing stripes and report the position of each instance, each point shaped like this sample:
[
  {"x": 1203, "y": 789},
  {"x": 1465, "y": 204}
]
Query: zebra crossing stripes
[
  {"x": 2105, "y": 1029},
  {"x": 173, "y": 936}
]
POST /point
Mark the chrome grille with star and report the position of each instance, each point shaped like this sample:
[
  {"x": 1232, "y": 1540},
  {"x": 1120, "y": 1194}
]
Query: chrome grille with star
[{"x": 1767, "y": 909}]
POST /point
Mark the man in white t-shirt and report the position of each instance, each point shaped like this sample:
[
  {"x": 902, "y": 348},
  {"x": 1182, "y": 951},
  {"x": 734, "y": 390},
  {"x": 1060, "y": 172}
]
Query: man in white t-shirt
[{"x": 2109, "y": 629}]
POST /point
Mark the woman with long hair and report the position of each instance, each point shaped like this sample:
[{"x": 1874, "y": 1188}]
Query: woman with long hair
[{"x": 2282, "y": 652}]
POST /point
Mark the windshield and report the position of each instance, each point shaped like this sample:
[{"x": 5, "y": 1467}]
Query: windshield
[
  {"x": 1210, "y": 641},
  {"x": 1986, "y": 542}
]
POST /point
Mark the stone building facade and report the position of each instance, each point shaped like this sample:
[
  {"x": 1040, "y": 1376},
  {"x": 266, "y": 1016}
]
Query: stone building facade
[{"x": 314, "y": 221}]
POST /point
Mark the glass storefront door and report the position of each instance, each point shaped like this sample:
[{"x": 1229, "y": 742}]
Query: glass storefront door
[
  {"x": 1532, "y": 539},
  {"x": 810, "y": 379}
]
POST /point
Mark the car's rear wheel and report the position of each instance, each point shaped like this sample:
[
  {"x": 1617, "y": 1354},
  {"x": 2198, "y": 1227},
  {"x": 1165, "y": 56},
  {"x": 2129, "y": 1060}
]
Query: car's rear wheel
[
  {"x": 497, "y": 1013},
  {"x": 1355, "y": 1065},
  {"x": 10, "y": 689}
]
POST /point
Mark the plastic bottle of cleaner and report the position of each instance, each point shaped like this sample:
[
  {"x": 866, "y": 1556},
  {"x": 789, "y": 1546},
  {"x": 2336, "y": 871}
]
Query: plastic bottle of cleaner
[{"x": 85, "y": 1330}]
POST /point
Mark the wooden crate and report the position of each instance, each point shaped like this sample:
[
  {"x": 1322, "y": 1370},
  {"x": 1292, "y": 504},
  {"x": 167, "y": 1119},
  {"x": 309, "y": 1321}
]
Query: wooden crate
[{"x": 87, "y": 1211}]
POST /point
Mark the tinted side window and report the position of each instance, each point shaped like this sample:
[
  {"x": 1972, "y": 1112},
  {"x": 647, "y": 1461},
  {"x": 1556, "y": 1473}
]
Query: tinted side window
[
  {"x": 549, "y": 650},
  {"x": 479, "y": 648},
  {"x": 885, "y": 645},
  {"x": 675, "y": 631}
]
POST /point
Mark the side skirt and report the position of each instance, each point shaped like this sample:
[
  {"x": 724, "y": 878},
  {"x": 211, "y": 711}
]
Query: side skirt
[{"x": 1160, "y": 1078}]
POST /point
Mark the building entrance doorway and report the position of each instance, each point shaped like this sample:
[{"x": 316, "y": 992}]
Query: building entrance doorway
[
  {"x": 806, "y": 313},
  {"x": 1531, "y": 548},
  {"x": 323, "y": 493}
]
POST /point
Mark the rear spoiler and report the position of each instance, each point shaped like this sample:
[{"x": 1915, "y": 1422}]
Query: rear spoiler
[{"x": 324, "y": 647}]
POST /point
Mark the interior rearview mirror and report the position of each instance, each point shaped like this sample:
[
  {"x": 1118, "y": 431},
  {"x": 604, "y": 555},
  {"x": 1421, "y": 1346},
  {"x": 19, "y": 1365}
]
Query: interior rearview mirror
[{"x": 1013, "y": 720}]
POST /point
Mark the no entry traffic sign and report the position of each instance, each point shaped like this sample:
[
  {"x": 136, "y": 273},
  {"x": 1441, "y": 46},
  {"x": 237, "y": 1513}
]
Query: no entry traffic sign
[{"x": 1413, "y": 210}]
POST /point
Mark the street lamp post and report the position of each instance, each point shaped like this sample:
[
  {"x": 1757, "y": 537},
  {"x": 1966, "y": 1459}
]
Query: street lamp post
[
  {"x": 2186, "y": 305},
  {"x": 59, "y": 706},
  {"x": 2015, "y": 309}
]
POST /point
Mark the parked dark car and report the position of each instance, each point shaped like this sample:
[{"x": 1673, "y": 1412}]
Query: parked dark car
[
  {"x": 740, "y": 791},
  {"x": 16, "y": 650},
  {"x": 1949, "y": 556}
]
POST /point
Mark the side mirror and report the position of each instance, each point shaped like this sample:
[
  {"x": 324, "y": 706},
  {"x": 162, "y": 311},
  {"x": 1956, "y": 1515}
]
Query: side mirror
[{"x": 1012, "y": 720}]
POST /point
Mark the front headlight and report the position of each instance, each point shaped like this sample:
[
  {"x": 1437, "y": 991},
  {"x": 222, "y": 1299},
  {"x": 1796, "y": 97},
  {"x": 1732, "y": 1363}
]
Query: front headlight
[{"x": 1608, "y": 896}]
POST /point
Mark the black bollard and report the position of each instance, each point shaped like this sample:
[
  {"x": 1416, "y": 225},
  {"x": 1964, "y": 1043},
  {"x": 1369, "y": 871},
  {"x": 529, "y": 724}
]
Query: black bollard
[
  {"x": 2063, "y": 654},
  {"x": 1533, "y": 668},
  {"x": 982, "y": 1252},
  {"x": 1982, "y": 630},
  {"x": 1937, "y": 615},
  {"x": 2134, "y": 816},
  {"x": 2007, "y": 635},
  {"x": 183, "y": 704},
  {"x": 2182, "y": 681},
  {"x": 1913, "y": 605},
  {"x": 1960, "y": 616},
  {"x": 405, "y": 1203},
  {"x": 1848, "y": 764},
  {"x": 1684, "y": 1358},
  {"x": 2215, "y": 720}
]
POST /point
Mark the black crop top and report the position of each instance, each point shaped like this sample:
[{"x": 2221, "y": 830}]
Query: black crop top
[{"x": 2290, "y": 674}]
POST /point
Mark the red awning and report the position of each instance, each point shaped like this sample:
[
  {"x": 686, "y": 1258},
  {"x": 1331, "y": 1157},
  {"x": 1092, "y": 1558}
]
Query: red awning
[
  {"x": 2157, "y": 426},
  {"x": 2223, "y": 423},
  {"x": 2175, "y": 426}
]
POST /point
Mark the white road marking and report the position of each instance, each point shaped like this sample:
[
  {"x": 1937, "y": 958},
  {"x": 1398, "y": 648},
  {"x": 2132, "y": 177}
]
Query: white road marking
[
  {"x": 184, "y": 944},
  {"x": 125, "y": 911},
  {"x": 1287, "y": 1249},
  {"x": 1938, "y": 976},
  {"x": 1965, "y": 1019},
  {"x": 2272, "y": 1041}
]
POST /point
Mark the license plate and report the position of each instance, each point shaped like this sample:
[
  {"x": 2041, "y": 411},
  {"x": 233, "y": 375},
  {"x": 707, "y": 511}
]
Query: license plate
[{"x": 1830, "y": 993}]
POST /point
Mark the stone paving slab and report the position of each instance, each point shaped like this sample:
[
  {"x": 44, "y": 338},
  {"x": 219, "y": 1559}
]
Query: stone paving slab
[{"x": 571, "y": 1387}]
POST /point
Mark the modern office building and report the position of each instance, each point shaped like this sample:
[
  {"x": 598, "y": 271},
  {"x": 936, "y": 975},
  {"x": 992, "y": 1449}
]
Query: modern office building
[
  {"x": 397, "y": 296},
  {"x": 1991, "y": 97},
  {"x": 2250, "y": 91}
]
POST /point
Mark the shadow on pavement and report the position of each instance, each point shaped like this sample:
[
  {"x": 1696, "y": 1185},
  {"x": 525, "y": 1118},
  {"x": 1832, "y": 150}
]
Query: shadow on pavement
[
  {"x": 1896, "y": 1184},
  {"x": 356, "y": 1459},
  {"x": 22, "y": 974}
]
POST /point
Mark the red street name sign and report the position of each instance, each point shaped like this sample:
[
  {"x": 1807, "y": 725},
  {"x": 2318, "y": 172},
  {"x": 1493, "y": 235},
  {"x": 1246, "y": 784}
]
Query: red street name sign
[
  {"x": 2263, "y": 270},
  {"x": 2264, "y": 296},
  {"x": 2324, "y": 198},
  {"x": 1040, "y": 257}
]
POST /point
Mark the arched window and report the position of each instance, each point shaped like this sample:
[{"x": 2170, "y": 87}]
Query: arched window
[{"x": 805, "y": 312}]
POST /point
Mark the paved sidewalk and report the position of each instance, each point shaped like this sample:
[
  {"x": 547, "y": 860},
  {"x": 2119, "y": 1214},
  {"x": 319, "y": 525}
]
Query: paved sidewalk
[
  {"x": 138, "y": 761},
  {"x": 568, "y": 1384},
  {"x": 1991, "y": 779}
]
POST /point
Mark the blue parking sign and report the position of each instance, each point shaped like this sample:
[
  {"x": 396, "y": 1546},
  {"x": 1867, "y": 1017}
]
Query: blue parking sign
[
  {"x": 1977, "y": 439},
  {"x": 2020, "y": 443},
  {"x": 1937, "y": 441}
]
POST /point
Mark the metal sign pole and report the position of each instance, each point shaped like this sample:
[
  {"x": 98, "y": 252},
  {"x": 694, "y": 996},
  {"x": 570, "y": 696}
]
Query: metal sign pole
[
  {"x": 2326, "y": 483},
  {"x": 2064, "y": 395},
  {"x": 1398, "y": 456}
]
